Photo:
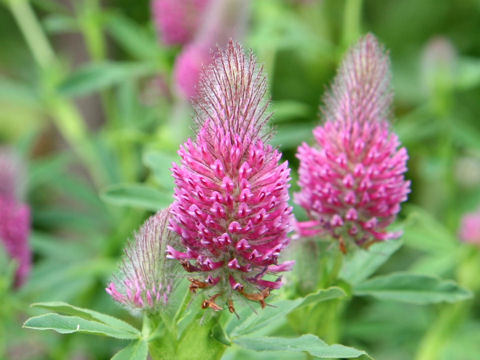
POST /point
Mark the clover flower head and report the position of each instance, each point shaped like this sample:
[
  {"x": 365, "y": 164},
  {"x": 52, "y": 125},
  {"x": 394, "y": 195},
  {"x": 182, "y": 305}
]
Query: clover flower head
[
  {"x": 14, "y": 215},
  {"x": 178, "y": 20},
  {"x": 231, "y": 197},
  {"x": 470, "y": 228},
  {"x": 352, "y": 180},
  {"x": 146, "y": 278},
  {"x": 188, "y": 67},
  {"x": 223, "y": 20}
]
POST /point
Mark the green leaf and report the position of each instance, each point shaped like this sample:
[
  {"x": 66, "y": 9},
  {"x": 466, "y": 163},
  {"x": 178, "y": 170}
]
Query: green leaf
[
  {"x": 99, "y": 76},
  {"x": 132, "y": 38},
  {"x": 59, "y": 23},
  {"x": 160, "y": 163},
  {"x": 137, "y": 350},
  {"x": 292, "y": 135},
  {"x": 288, "y": 110},
  {"x": 422, "y": 231},
  {"x": 468, "y": 73},
  {"x": 360, "y": 264},
  {"x": 73, "y": 324},
  {"x": 309, "y": 343},
  {"x": 136, "y": 195},
  {"x": 88, "y": 314},
  {"x": 322, "y": 295},
  {"x": 412, "y": 288},
  {"x": 249, "y": 321}
]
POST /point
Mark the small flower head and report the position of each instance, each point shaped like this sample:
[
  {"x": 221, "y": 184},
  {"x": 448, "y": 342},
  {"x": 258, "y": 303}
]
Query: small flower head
[
  {"x": 223, "y": 20},
  {"x": 14, "y": 216},
  {"x": 146, "y": 278},
  {"x": 352, "y": 181},
  {"x": 14, "y": 233},
  {"x": 231, "y": 197},
  {"x": 188, "y": 67},
  {"x": 470, "y": 228},
  {"x": 178, "y": 20}
]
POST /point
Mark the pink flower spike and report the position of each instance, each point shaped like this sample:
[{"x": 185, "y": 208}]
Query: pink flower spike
[
  {"x": 352, "y": 180},
  {"x": 14, "y": 215},
  {"x": 146, "y": 277},
  {"x": 231, "y": 197},
  {"x": 470, "y": 228},
  {"x": 178, "y": 20}
]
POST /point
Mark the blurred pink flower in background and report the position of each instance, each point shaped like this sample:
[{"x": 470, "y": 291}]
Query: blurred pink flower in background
[
  {"x": 14, "y": 215},
  {"x": 188, "y": 67},
  {"x": 352, "y": 181},
  {"x": 146, "y": 278},
  {"x": 231, "y": 197},
  {"x": 470, "y": 228},
  {"x": 222, "y": 20},
  {"x": 177, "y": 21}
]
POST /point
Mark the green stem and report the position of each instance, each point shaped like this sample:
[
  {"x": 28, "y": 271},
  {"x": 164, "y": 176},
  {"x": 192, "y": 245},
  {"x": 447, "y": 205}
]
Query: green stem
[
  {"x": 32, "y": 31},
  {"x": 66, "y": 117},
  {"x": 351, "y": 21}
]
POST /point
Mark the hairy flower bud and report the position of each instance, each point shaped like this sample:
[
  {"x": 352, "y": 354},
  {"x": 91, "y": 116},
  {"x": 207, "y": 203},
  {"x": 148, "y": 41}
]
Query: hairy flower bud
[
  {"x": 14, "y": 215},
  {"x": 146, "y": 277},
  {"x": 178, "y": 20},
  {"x": 231, "y": 197},
  {"x": 352, "y": 181}
]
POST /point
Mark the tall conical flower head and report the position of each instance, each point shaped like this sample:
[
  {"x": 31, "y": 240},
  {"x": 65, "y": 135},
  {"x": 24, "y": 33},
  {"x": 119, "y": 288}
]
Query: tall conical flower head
[
  {"x": 352, "y": 181},
  {"x": 14, "y": 215},
  {"x": 146, "y": 277},
  {"x": 231, "y": 197},
  {"x": 178, "y": 20}
]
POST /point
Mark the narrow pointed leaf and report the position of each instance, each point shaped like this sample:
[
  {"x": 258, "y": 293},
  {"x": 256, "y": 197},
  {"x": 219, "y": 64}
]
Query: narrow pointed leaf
[
  {"x": 67, "y": 309},
  {"x": 73, "y": 324},
  {"x": 412, "y": 288},
  {"x": 136, "y": 195},
  {"x": 309, "y": 343},
  {"x": 360, "y": 264}
]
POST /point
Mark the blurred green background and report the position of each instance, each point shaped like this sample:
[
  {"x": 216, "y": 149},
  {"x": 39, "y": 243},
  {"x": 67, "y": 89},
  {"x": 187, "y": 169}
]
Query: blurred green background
[{"x": 99, "y": 122}]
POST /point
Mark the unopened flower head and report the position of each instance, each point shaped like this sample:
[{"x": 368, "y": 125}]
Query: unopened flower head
[
  {"x": 178, "y": 20},
  {"x": 14, "y": 215},
  {"x": 352, "y": 181},
  {"x": 231, "y": 197},
  {"x": 470, "y": 228},
  {"x": 146, "y": 278}
]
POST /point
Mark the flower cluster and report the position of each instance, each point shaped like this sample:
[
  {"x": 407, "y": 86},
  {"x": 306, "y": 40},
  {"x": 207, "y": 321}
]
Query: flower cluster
[
  {"x": 231, "y": 197},
  {"x": 14, "y": 215},
  {"x": 146, "y": 278},
  {"x": 352, "y": 181}
]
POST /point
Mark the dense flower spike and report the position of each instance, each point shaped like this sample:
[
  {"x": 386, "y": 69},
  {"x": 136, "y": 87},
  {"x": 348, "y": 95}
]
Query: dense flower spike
[
  {"x": 14, "y": 216},
  {"x": 231, "y": 197},
  {"x": 470, "y": 228},
  {"x": 178, "y": 20},
  {"x": 146, "y": 278},
  {"x": 352, "y": 182}
]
